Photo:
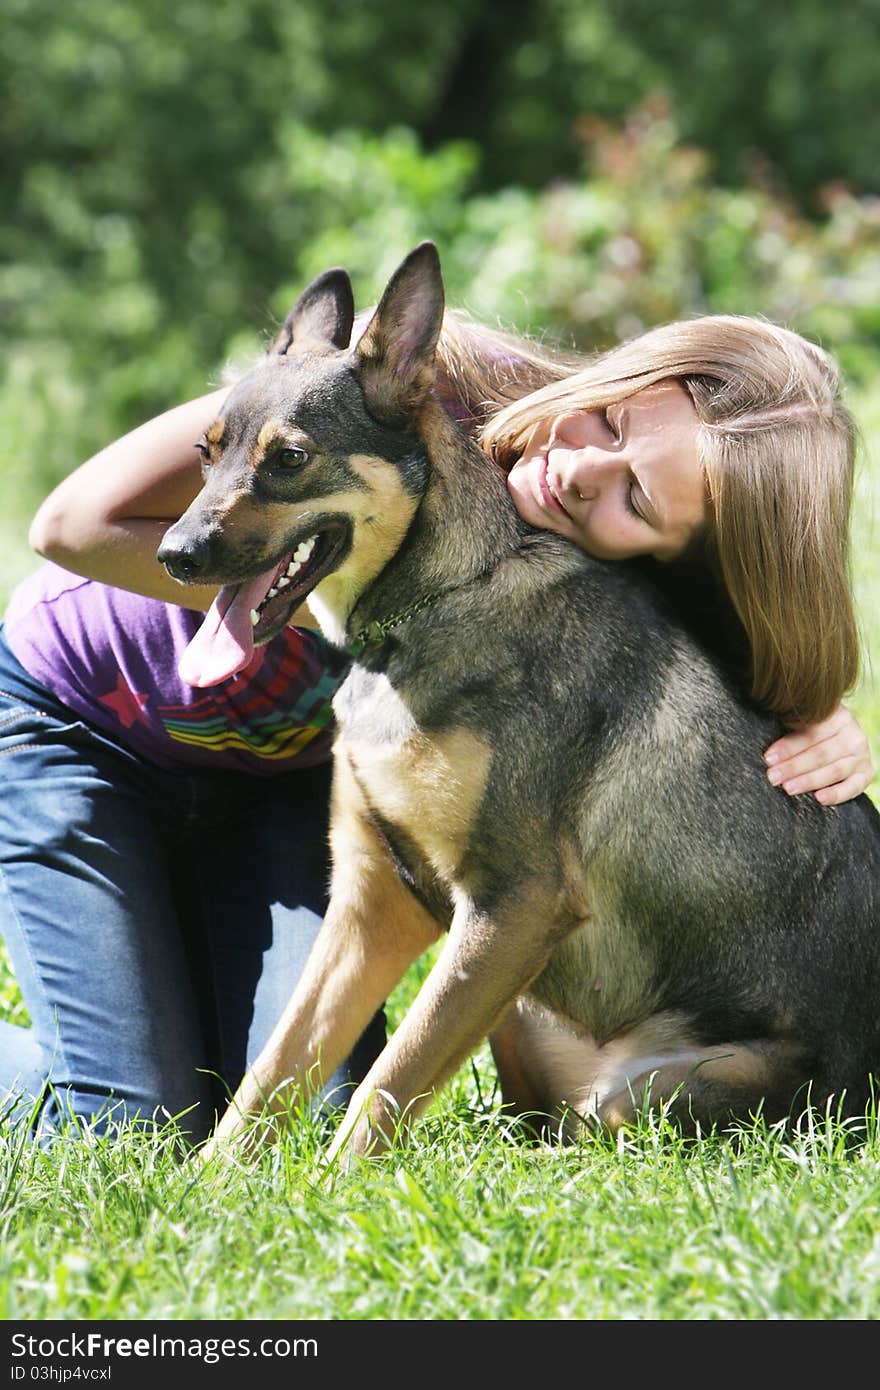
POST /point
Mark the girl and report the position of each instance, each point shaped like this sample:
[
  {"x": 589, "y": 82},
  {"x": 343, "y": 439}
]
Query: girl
[{"x": 163, "y": 850}]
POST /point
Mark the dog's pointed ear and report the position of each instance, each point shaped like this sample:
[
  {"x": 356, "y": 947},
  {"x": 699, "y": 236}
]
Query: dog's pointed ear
[
  {"x": 395, "y": 356},
  {"x": 320, "y": 319}
]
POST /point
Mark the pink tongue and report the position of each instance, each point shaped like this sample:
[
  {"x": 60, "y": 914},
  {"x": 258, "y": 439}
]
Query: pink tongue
[{"x": 225, "y": 641}]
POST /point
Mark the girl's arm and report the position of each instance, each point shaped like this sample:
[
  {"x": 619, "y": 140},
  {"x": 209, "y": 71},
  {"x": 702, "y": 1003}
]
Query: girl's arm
[
  {"x": 831, "y": 759},
  {"x": 106, "y": 519}
]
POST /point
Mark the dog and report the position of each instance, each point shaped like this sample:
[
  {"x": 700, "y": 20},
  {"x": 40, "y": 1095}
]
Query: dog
[{"x": 533, "y": 760}]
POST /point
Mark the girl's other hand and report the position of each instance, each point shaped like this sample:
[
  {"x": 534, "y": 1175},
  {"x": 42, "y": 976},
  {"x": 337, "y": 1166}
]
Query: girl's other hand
[{"x": 831, "y": 758}]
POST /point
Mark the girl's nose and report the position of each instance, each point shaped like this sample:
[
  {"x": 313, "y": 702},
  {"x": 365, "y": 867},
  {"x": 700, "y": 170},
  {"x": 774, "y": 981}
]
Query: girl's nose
[
  {"x": 580, "y": 462},
  {"x": 583, "y": 471}
]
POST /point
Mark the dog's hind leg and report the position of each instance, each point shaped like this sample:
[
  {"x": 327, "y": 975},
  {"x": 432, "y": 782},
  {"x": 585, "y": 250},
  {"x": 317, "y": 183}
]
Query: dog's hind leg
[
  {"x": 547, "y": 1069},
  {"x": 708, "y": 1086},
  {"x": 520, "y": 1093},
  {"x": 544, "y": 1067}
]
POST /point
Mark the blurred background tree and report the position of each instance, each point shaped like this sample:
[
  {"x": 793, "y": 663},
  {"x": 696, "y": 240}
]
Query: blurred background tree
[{"x": 173, "y": 173}]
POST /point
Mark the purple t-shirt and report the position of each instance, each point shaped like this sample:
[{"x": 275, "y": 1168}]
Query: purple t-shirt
[{"x": 112, "y": 657}]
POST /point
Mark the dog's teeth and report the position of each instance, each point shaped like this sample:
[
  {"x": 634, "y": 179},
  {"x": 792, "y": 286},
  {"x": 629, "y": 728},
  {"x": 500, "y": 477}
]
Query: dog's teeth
[
  {"x": 298, "y": 559},
  {"x": 255, "y": 617},
  {"x": 283, "y": 582}
]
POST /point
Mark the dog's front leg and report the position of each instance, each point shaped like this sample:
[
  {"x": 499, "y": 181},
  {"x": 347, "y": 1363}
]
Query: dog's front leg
[
  {"x": 489, "y": 957},
  {"x": 373, "y": 931}
]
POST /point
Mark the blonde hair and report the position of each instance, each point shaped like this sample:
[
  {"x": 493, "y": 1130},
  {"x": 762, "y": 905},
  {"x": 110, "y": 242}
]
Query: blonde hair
[{"x": 777, "y": 446}]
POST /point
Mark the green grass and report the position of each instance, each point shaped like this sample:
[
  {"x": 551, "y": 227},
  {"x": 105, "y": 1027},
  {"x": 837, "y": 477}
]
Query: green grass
[{"x": 469, "y": 1222}]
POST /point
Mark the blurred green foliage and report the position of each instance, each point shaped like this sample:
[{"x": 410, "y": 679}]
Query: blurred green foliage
[
  {"x": 176, "y": 171},
  {"x": 785, "y": 87}
]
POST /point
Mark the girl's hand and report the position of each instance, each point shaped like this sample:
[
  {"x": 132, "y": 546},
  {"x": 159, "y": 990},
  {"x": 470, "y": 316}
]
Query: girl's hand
[{"x": 830, "y": 758}]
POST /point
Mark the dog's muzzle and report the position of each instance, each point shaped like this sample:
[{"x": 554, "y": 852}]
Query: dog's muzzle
[{"x": 186, "y": 561}]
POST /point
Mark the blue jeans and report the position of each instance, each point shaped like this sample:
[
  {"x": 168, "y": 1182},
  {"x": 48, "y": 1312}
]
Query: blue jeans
[{"x": 156, "y": 921}]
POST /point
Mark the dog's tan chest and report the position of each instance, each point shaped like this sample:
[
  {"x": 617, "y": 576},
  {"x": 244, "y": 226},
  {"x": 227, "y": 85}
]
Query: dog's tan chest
[{"x": 428, "y": 786}]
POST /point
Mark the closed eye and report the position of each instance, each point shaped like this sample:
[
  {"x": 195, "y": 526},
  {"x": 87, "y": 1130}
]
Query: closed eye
[
  {"x": 631, "y": 498},
  {"x": 609, "y": 424}
]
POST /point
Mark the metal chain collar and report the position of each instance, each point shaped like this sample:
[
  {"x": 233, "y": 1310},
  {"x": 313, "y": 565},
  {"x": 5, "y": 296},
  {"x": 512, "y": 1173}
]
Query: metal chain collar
[{"x": 379, "y": 628}]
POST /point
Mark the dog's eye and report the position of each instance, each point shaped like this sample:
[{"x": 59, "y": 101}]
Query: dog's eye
[
  {"x": 291, "y": 457},
  {"x": 203, "y": 451}
]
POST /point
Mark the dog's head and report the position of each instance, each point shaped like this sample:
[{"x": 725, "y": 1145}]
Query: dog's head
[{"x": 314, "y": 469}]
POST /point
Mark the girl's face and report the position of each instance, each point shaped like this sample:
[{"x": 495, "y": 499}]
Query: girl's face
[{"x": 618, "y": 482}]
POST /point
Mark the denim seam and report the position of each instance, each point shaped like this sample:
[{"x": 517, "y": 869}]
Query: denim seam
[
  {"x": 22, "y": 708},
  {"x": 32, "y": 709}
]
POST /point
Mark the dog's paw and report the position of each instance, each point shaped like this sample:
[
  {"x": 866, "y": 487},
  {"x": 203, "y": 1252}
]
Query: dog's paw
[
  {"x": 205, "y": 1154},
  {"x": 237, "y": 1146},
  {"x": 370, "y": 1127}
]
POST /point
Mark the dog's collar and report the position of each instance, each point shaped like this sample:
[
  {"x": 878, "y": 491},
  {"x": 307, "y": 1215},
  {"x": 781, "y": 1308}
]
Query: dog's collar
[{"x": 376, "y": 631}]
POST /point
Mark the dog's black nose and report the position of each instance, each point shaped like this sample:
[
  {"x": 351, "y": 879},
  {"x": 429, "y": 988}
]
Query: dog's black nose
[{"x": 184, "y": 563}]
